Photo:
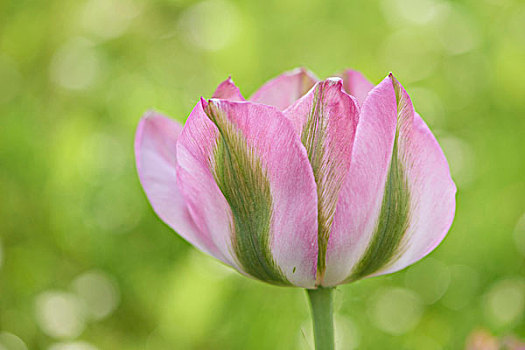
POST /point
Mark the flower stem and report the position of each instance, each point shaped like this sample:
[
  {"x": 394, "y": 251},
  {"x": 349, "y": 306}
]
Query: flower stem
[{"x": 322, "y": 317}]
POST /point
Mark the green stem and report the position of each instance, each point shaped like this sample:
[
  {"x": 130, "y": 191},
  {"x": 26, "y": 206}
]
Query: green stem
[{"x": 322, "y": 317}]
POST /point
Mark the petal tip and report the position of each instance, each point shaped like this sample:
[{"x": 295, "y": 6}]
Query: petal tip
[
  {"x": 334, "y": 81},
  {"x": 204, "y": 103}
]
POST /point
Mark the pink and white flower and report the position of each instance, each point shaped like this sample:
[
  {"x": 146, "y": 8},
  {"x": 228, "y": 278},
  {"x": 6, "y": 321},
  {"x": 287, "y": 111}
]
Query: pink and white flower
[{"x": 307, "y": 183}]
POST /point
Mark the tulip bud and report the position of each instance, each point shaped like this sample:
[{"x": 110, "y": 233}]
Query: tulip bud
[{"x": 309, "y": 183}]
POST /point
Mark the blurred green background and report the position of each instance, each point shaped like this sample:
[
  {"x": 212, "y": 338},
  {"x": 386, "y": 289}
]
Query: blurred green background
[{"x": 84, "y": 262}]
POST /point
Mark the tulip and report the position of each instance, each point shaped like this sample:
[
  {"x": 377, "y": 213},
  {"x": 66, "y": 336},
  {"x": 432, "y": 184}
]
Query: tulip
[{"x": 307, "y": 183}]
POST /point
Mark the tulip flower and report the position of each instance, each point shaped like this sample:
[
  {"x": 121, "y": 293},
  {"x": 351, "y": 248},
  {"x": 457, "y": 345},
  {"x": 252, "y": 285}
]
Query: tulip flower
[{"x": 307, "y": 183}]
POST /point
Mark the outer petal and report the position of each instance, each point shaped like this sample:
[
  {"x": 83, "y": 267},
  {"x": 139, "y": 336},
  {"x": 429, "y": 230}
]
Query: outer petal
[
  {"x": 326, "y": 118},
  {"x": 356, "y": 85},
  {"x": 360, "y": 198},
  {"x": 398, "y": 201},
  {"x": 284, "y": 90},
  {"x": 247, "y": 180},
  {"x": 432, "y": 190},
  {"x": 227, "y": 90},
  {"x": 155, "y": 152}
]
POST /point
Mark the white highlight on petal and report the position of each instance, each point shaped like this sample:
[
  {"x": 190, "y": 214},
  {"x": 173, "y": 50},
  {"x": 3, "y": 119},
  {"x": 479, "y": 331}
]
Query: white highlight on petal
[
  {"x": 395, "y": 310},
  {"x": 505, "y": 302},
  {"x": 519, "y": 235},
  {"x": 9, "y": 341},
  {"x": 78, "y": 345},
  {"x": 108, "y": 18},
  {"x": 99, "y": 292},
  {"x": 60, "y": 314},
  {"x": 75, "y": 65},
  {"x": 429, "y": 279},
  {"x": 210, "y": 25}
]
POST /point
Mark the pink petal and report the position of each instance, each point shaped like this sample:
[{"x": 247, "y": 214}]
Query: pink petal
[
  {"x": 271, "y": 140},
  {"x": 423, "y": 182},
  {"x": 155, "y": 152},
  {"x": 326, "y": 118},
  {"x": 227, "y": 90},
  {"x": 432, "y": 190},
  {"x": 205, "y": 203},
  {"x": 361, "y": 194},
  {"x": 285, "y": 89},
  {"x": 356, "y": 85}
]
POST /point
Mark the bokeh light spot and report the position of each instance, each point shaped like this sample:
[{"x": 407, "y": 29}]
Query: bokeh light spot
[
  {"x": 430, "y": 279},
  {"x": 505, "y": 302},
  {"x": 463, "y": 287},
  {"x": 461, "y": 159},
  {"x": 108, "y": 18},
  {"x": 75, "y": 65},
  {"x": 456, "y": 32},
  {"x": 210, "y": 25},
  {"x": 60, "y": 314},
  {"x": 9, "y": 341},
  {"x": 78, "y": 345},
  {"x": 395, "y": 310},
  {"x": 99, "y": 292},
  {"x": 414, "y": 11}
]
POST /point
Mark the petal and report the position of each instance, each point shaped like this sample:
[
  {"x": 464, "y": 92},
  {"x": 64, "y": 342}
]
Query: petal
[
  {"x": 285, "y": 89},
  {"x": 326, "y": 118},
  {"x": 356, "y": 85},
  {"x": 155, "y": 152},
  {"x": 250, "y": 184},
  {"x": 205, "y": 203},
  {"x": 398, "y": 201},
  {"x": 362, "y": 191},
  {"x": 227, "y": 90},
  {"x": 432, "y": 190}
]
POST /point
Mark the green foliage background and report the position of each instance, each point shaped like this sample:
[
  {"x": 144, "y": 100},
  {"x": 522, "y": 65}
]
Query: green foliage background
[{"x": 75, "y": 77}]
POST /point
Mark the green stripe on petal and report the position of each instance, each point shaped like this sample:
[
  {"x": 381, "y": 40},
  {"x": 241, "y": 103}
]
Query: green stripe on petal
[
  {"x": 242, "y": 179},
  {"x": 393, "y": 219},
  {"x": 327, "y": 177}
]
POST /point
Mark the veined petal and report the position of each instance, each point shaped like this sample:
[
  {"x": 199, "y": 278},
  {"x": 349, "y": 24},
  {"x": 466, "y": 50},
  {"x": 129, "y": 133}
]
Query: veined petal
[
  {"x": 326, "y": 118},
  {"x": 251, "y": 163},
  {"x": 356, "y": 85},
  {"x": 361, "y": 195},
  {"x": 398, "y": 201},
  {"x": 155, "y": 153},
  {"x": 205, "y": 203},
  {"x": 285, "y": 89},
  {"x": 227, "y": 90},
  {"x": 432, "y": 190}
]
